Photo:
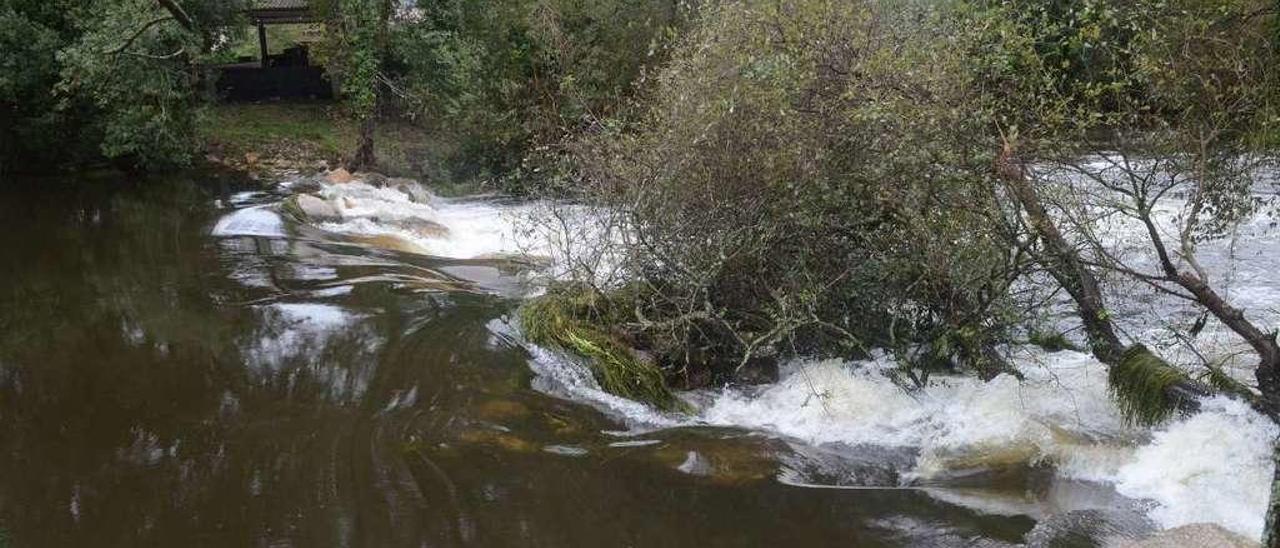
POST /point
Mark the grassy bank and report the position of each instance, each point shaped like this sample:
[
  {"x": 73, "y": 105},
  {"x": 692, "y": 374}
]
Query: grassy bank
[{"x": 311, "y": 135}]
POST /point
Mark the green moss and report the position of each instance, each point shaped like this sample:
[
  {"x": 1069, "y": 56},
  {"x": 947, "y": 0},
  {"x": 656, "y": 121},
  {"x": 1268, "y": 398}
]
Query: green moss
[
  {"x": 578, "y": 320},
  {"x": 1052, "y": 341},
  {"x": 1214, "y": 376},
  {"x": 291, "y": 210},
  {"x": 1140, "y": 385}
]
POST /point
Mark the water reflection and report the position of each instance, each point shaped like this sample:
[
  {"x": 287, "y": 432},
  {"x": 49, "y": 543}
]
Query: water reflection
[{"x": 162, "y": 386}]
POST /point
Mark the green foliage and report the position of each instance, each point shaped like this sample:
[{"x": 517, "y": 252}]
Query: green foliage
[
  {"x": 509, "y": 79},
  {"x": 804, "y": 179},
  {"x": 578, "y": 320},
  {"x": 1140, "y": 383},
  {"x": 356, "y": 60},
  {"x": 32, "y": 127},
  {"x": 106, "y": 79},
  {"x": 1217, "y": 378}
]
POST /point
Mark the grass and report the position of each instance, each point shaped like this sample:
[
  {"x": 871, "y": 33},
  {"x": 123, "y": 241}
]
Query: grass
[
  {"x": 578, "y": 321},
  {"x": 1052, "y": 341},
  {"x": 304, "y": 133},
  {"x": 318, "y": 127}
]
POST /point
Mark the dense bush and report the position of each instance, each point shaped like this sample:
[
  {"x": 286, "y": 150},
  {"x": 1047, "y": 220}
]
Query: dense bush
[
  {"x": 109, "y": 79},
  {"x": 809, "y": 178},
  {"x": 509, "y": 79}
]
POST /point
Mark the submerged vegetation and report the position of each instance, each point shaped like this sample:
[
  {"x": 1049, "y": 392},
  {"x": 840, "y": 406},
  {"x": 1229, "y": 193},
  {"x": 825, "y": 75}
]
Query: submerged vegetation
[{"x": 584, "y": 322}]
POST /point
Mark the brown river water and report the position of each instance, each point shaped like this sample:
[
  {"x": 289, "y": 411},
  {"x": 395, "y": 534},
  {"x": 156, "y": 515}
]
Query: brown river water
[{"x": 161, "y": 386}]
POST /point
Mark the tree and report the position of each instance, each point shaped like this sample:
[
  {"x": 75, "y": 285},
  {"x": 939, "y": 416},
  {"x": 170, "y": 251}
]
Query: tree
[
  {"x": 122, "y": 76},
  {"x": 357, "y": 48},
  {"x": 1186, "y": 111}
]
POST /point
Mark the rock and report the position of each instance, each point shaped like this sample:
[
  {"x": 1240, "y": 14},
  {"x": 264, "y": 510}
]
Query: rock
[
  {"x": 1196, "y": 534},
  {"x": 339, "y": 176},
  {"x": 371, "y": 178},
  {"x": 307, "y": 185},
  {"x": 311, "y": 208},
  {"x": 410, "y": 188},
  {"x": 502, "y": 410},
  {"x": 1089, "y": 527},
  {"x": 250, "y": 158},
  {"x": 422, "y": 227},
  {"x": 757, "y": 370}
]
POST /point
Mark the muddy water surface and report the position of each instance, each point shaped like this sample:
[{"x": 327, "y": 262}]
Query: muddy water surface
[{"x": 163, "y": 386}]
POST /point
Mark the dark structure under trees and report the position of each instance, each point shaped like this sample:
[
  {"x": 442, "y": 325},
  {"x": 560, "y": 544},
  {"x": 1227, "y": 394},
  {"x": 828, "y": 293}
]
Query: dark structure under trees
[{"x": 288, "y": 75}]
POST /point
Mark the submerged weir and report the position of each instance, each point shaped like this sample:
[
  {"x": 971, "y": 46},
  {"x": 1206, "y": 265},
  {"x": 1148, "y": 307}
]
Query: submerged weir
[
  {"x": 1059, "y": 420},
  {"x": 221, "y": 368}
]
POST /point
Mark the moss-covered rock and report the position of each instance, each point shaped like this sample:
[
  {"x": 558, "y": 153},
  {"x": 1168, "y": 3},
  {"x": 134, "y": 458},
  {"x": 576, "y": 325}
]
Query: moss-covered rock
[{"x": 583, "y": 321}]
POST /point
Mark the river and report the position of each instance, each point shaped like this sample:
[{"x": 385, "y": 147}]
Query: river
[{"x": 180, "y": 365}]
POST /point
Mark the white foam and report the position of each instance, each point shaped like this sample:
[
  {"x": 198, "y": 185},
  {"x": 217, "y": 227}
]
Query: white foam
[
  {"x": 1213, "y": 466},
  {"x": 474, "y": 228},
  {"x": 252, "y": 221},
  {"x": 958, "y": 419}
]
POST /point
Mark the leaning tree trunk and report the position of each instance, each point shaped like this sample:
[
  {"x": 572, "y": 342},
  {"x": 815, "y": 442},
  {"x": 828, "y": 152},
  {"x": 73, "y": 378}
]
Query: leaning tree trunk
[
  {"x": 1082, "y": 285},
  {"x": 1066, "y": 267}
]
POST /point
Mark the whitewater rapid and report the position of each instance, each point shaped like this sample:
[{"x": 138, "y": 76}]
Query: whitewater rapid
[{"x": 1213, "y": 466}]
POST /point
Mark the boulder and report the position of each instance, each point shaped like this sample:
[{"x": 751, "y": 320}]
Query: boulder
[
  {"x": 306, "y": 185},
  {"x": 1195, "y": 534},
  {"x": 410, "y": 188},
  {"x": 311, "y": 208},
  {"x": 339, "y": 176},
  {"x": 422, "y": 227},
  {"x": 371, "y": 178}
]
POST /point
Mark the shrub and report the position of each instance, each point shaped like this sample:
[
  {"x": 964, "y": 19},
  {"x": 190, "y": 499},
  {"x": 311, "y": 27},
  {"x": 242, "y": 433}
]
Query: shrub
[{"x": 806, "y": 178}]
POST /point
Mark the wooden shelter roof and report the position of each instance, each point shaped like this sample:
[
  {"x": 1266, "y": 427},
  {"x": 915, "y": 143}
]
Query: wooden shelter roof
[{"x": 281, "y": 11}]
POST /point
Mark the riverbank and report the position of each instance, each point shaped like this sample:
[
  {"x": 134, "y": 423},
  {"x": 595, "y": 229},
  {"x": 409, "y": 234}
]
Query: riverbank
[{"x": 266, "y": 140}]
